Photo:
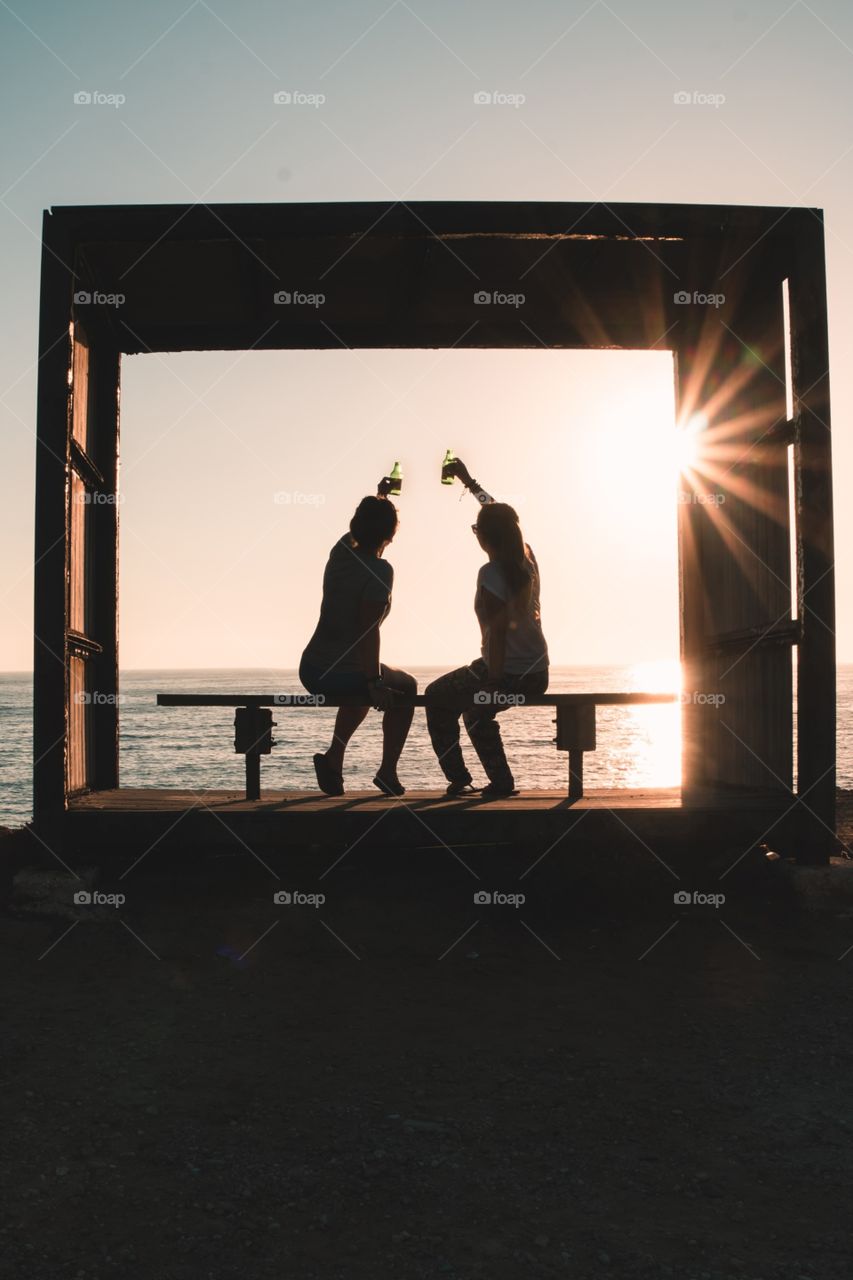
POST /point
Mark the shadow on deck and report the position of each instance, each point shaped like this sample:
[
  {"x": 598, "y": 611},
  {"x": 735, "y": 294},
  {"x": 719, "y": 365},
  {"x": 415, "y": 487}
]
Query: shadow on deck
[{"x": 652, "y": 823}]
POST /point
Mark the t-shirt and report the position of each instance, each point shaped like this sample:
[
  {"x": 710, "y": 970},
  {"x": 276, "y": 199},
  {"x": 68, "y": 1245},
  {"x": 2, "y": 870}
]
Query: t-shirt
[
  {"x": 349, "y": 578},
  {"x": 526, "y": 650}
]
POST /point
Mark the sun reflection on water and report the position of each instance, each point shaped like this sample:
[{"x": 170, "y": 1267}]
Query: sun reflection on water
[{"x": 653, "y": 756}]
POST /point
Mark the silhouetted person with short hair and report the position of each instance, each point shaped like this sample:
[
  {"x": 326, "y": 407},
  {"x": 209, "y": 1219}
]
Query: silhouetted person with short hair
[
  {"x": 342, "y": 656},
  {"x": 514, "y": 655}
]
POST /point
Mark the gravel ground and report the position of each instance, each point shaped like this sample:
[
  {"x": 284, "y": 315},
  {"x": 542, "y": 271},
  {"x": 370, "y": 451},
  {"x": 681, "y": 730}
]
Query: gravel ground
[{"x": 199, "y": 1086}]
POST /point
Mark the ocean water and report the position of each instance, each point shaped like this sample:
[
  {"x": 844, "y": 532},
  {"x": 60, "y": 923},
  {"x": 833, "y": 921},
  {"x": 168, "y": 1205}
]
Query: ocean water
[{"x": 194, "y": 747}]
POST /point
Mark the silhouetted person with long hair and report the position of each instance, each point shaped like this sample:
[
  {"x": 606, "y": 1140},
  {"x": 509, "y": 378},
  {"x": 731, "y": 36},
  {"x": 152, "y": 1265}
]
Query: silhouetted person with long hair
[
  {"x": 514, "y": 655},
  {"x": 342, "y": 656}
]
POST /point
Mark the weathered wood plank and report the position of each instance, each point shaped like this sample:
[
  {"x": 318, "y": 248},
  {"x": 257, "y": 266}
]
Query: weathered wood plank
[
  {"x": 582, "y": 268},
  {"x": 422, "y": 220},
  {"x": 50, "y": 673},
  {"x": 816, "y": 693},
  {"x": 134, "y": 799},
  {"x": 735, "y": 555},
  {"x": 295, "y": 700},
  {"x": 105, "y": 402}
]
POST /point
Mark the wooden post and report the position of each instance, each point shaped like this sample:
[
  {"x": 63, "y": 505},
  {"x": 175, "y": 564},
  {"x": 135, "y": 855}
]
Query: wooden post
[
  {"x": 104, "y": 376},
  {"x": 50, "y": 667},
  {"x": 737, "y": 714},
  {"x": 815, "y": 573}
]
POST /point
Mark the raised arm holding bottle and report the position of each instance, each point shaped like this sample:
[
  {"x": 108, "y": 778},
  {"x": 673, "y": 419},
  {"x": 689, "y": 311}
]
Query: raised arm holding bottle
[
  {"x": 513, "y": 660},
  {"x": 455, "y": 467},
  {"x": 342, "y": 656}
]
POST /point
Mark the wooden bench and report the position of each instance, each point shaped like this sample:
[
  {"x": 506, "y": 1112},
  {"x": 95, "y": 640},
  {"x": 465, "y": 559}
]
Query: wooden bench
[{"x": 253, "y": 722}]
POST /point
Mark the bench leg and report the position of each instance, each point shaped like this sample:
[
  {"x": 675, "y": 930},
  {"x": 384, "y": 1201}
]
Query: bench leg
[
  {"x": 575, "y": 774},
  {"x": 253, "y": 775}
]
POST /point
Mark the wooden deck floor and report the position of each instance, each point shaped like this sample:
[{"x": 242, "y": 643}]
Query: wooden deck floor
[
  {"x": 152, "y": 800},
  {"x": 641, "y": 821}
]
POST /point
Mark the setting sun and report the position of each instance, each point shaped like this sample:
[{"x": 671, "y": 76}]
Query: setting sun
[{"x": 688, "y": 442}]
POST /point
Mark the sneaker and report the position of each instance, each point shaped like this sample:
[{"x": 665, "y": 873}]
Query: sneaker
[
  {"x": 461, "y": 789},
  {"x": 390, "y": 787},
  {"x": 499, "y": 791},
  {"x": 328, "y": 780}
]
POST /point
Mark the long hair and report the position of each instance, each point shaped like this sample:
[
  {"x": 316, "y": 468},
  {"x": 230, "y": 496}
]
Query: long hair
[{"x": 498, "y": 526}]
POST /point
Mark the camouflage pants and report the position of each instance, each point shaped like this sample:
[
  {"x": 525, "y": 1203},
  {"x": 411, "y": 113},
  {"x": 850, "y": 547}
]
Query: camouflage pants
[{"x": 480, "y": 721}]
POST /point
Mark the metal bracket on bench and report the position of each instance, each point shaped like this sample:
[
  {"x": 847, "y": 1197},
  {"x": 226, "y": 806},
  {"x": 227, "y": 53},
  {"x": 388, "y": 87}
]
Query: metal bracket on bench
[
  {"x": 253, "y": 738},
  {"x": 576, "y": 734}
]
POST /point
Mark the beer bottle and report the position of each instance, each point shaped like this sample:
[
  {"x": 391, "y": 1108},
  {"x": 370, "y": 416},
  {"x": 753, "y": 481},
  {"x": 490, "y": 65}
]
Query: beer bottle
[
  {"x": 396, "y": 478},
  {"x": 448, "y": 459}
]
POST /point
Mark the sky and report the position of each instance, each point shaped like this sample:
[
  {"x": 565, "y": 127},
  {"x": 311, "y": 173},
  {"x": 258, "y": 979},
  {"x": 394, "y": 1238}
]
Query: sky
[{"x": 240, "y": 470}]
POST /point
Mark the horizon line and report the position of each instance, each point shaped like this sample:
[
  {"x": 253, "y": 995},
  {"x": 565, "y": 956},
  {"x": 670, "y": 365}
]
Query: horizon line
[{"x": 420, "y": 666}]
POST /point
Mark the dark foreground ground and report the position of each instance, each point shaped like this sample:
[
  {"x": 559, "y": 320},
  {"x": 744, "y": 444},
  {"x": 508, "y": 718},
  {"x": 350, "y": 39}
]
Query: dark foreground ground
[{"x": 202, "y": 1084}]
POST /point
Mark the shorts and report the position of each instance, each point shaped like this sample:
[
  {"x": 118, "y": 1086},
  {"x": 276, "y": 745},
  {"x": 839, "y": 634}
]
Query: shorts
[{"x": 341, "y": 684}]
